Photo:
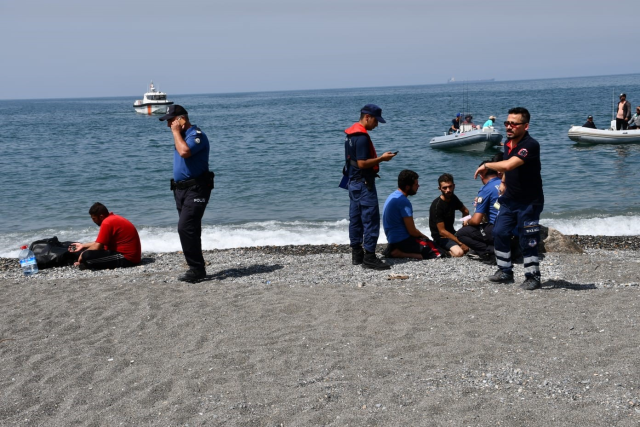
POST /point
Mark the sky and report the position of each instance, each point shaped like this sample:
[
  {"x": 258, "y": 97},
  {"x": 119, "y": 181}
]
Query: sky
[{"x": 89, "y": 48}]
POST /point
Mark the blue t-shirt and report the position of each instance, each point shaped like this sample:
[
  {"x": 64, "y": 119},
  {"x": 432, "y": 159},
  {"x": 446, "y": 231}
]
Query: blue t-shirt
[
  {"x": 486, "y": 202},
  {"x": 198, "y": 163},
  {"x": 396, "y": 208},
  {"x": 488, "y": 123}
]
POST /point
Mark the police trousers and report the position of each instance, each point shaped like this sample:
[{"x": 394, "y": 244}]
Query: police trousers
[
  {"x": 526, "y": 218},
  {"x": 191, "y": 203},
  {"x": 364, "y": 216},
  {"x": 477, "y": 237}
]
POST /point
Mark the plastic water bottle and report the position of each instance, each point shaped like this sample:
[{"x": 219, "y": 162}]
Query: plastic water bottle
[{"x": 28, "y": 261}]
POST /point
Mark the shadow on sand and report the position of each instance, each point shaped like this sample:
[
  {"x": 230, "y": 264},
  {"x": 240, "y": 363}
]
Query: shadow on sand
[
  {"x": 563, "y": 284},
  {"x": 244, "y": 271}
]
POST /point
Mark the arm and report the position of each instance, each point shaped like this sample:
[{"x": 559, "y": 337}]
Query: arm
[
  {"x": 369, "y": 163},
  {"x": 178, "y": 140},
  {"x": 464, "y": 210},
  {"x": 411, "y": 227},
  {"x": 475, "y": 220},
  {"x": 445, "y": 234},
  {"x": 89, "y": 246},
  {"x": 503, "y": 166}
]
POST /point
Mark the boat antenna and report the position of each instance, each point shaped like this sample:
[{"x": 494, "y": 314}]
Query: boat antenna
[{"x": 613, "y": 100}]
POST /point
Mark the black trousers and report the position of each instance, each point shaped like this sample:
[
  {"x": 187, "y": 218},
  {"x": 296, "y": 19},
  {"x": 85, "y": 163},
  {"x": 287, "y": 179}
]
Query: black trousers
[
  {"x": 191, "y": 203},
  {"x": 621, "y": 124},
  {"x": 479, "y": 238},
  {"x": 99, "y": 260}
]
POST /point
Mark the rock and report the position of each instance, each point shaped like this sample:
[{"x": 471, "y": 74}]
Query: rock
[{"x": 555, "y": 241}]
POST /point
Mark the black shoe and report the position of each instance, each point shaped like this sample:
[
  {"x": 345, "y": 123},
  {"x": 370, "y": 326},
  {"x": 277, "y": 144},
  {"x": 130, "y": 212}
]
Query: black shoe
[
  {"x": 193, "y": 275},
  {"x": 501, "y": 277},
  {"x": 488, "y": 259},
  {"x": 531, "y": 283},
  {"x": 357, "y": 255},
  {"x": 371, "y": 261}
]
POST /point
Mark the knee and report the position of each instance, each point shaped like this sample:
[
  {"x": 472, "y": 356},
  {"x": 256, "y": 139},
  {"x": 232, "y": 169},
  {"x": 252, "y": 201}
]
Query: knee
[{"x": 456, "y": 252}]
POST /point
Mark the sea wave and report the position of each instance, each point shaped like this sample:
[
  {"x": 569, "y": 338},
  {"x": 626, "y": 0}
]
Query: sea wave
[{"x": 279, "y": 233}]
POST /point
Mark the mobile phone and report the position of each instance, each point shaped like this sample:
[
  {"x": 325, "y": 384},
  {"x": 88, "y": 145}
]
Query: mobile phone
[{"x": 395, "y": 152}]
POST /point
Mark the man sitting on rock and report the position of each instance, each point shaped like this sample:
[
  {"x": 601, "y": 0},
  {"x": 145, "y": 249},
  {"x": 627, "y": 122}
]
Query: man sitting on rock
[
  {"x": 477, "y": 231},
  {"x": 404, "y": 239},
  {"x": 117, "y": 244}
]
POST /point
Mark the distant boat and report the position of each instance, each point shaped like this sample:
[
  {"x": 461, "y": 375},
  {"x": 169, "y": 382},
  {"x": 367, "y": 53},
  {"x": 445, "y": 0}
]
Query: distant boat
[
  {"x": 453, "y": 80},
  {"x": 468, "y": 139},
  {"x": 152, "y": 102},
  {"x": 582, "y": 135}
]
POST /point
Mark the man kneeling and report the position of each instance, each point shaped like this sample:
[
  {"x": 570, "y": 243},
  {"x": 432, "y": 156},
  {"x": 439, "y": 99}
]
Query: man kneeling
[
  {"x": 117, "y": 244},
  {"x": 405, "y": 240}
]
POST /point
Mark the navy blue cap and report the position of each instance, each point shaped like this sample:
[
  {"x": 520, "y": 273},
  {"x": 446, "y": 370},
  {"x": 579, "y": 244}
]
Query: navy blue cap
[
  {"x": 374, "y": 111},
  {"x": 174, "y": 111},
  {"x": 458, "y": 115}
]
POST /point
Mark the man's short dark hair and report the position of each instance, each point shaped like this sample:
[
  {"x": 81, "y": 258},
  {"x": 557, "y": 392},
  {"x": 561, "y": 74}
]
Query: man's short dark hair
[
  {"x": 523, "y": 112},
  {"x": 445, "y": 177},
  {"x": 488, "y": 171},
  {"x": 98, "y": 209},
  {"x": 407, "y": 177}
]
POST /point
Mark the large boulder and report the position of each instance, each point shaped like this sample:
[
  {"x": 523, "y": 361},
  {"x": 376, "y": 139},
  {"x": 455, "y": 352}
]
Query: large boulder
[{"x": 554, "y": 241}]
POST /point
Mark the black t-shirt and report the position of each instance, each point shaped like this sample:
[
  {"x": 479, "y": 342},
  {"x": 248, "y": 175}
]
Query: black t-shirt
[
  {"x": 442, "y": 211},
  {"x": 524, "y": 183}
]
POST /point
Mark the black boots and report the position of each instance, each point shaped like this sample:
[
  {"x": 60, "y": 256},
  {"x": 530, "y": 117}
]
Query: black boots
[{"x": 372, "y": 261}]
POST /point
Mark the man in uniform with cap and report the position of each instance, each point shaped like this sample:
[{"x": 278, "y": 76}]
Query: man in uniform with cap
[
  {"x": 589, "y": 123},
  {"x": 624, "y": 113},
  {"x": 191, "y": 184},
  {"x": 362, "y": 166},
  {"x": 455, "y": 124}
]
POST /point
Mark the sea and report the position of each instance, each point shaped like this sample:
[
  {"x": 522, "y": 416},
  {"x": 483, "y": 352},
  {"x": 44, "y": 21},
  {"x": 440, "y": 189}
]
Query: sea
[{"x": 278, "y": 159}]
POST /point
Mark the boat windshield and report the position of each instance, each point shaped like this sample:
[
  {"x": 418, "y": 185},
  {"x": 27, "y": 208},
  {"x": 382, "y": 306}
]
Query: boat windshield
[{"x": 157, "y": 97}]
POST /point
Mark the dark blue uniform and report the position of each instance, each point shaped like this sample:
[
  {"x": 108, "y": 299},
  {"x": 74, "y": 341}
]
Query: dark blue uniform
[
  {"x": 520, "y": 206},
  {"x": 364, "y": 211},
  {"x": 192, "y": 192}
]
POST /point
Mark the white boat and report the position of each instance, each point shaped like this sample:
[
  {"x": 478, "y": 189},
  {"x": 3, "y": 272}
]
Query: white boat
[
  {"x": 582, "y": 135},
  {"x": 153, "y": 102},
  {"x": 468, "y": 139}
]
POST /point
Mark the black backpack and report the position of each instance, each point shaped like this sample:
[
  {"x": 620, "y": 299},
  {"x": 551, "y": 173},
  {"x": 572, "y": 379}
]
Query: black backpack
[{"x": 53, "y": 253}]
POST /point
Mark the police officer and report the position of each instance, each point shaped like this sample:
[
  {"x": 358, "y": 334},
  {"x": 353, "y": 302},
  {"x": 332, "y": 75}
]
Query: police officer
[
  {"x": 477, "y": 231},
  {"x": 191, "y": 184},
  {"x": 521, "y": 200},
  {"x": 362, "y": 166}
]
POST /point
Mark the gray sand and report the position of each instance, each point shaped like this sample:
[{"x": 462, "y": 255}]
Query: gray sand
[{"x": 274, "y": 338}]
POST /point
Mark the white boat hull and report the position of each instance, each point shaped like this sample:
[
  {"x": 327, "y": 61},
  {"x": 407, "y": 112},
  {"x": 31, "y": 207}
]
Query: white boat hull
[
  {"x": 475, "y": 140},
  {"x": 152, "y": 108},
  {"x": 582, "y": 135}
]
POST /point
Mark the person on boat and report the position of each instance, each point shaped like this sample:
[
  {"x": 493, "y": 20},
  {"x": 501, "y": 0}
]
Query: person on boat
[
  {"x": 521, "y": 200},
  {"x": 489, "y": 123},
  {"x": 477, "y": 231},
  {"x": 404, "y": 239},
  {"x": 442, "y": 214},
  {"x": 117, "y": 244},
  {"x": 455, "y": 124},
  {"x": 589, "y": 123},
  {"x": 634, "y": 123},
  {"x": 191, "y": 184},
  {"x": 468, "y": 121},
  {"x": 362, "y": 165},
  {"x": 624, "y": 113}
]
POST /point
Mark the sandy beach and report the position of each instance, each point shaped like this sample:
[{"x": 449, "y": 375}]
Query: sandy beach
[{"x": 297, "y": 336}]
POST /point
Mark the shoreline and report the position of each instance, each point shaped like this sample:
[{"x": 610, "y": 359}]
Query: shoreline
[{"x": 297, "y": 335}]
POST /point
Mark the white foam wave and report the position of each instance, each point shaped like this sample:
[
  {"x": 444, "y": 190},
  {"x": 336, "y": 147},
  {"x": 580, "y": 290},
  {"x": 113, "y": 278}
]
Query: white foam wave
[{"x": 278, "y": 233}]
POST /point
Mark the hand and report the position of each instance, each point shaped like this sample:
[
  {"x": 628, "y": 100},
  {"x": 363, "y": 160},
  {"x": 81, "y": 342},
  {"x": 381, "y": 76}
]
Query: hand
[
  {"x": 502, "y": 188},
  {"x": 176, "y": 126},
  {"x": 387, "y": 156},
  {"x": 75, "y": 247},
  {"x": 479, "y": 171},
  {"x": 464, "y": 247}
]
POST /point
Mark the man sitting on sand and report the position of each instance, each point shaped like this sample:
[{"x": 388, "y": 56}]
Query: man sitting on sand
[
  {"x": 117, "y": 244},
  {"x": 405, "y": 240},
  {"x": 442, "y": 215}
]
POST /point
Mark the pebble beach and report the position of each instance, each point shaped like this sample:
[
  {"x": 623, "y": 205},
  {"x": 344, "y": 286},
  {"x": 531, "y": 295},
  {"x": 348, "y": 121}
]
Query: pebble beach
[{"x": 297, "y": 336}]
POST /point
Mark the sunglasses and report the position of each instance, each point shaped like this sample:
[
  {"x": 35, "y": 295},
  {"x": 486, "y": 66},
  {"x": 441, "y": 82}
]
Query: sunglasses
[{"x": 513, "y": 124}]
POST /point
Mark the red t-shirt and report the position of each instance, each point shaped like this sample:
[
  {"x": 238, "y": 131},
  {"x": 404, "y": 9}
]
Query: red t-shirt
[{"x": 118, "y": 234}]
